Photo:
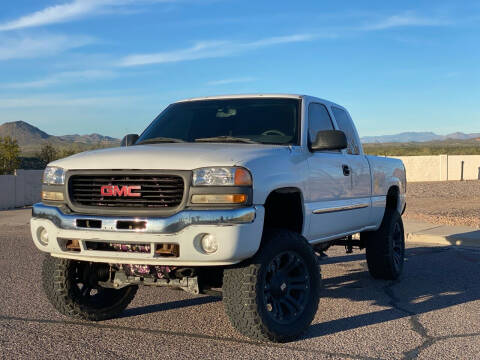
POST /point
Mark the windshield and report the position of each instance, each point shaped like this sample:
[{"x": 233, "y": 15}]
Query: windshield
[{"x": 247, "y": 120}]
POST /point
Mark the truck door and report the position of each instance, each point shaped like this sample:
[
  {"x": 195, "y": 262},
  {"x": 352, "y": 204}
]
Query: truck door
[
  {"x": 328, "y": 185},
  {"x": 360, "y": 178}
]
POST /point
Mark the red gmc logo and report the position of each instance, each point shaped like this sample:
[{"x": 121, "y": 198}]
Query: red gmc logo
[{"x": 114, "y": 190}]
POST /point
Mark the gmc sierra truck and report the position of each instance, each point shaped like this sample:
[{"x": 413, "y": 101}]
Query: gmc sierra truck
[{"x": 234, "y": 192}]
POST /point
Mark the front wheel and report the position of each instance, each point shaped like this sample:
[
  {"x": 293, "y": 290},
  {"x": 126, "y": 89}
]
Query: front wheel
[
  {"x": 386, "y": 247},
  {"x": 274, "y": 296},
  {"x": 72, "y": 288}
]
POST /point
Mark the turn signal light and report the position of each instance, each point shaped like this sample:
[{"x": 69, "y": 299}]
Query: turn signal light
[
  {"x": 52, "y": 195},
  {"x": 242, "y": 177},
  {"x": 219, "y": 199}
]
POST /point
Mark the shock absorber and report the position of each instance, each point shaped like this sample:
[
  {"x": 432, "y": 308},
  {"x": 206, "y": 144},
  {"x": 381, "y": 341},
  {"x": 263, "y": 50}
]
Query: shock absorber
[{"x": 349, "y": 245}]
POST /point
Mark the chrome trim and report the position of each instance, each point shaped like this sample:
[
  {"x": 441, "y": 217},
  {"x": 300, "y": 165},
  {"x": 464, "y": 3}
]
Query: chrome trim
[
  {"x": 340, "y": 208},
  {"x": 169, "y": 225}
]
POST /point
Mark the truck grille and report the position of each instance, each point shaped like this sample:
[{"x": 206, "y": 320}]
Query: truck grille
[{"x": 156, "y": 191}]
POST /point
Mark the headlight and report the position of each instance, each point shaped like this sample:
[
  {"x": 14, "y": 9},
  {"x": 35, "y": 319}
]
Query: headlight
[
  {"x": 54, "y": 175},
  {"x": 222, "y": 176}
]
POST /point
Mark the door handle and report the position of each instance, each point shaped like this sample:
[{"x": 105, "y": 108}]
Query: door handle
[{"x": 346, "y": 170}]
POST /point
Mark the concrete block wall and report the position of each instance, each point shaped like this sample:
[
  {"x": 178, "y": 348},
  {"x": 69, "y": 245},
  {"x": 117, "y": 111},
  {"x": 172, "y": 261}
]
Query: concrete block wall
[
  {"x": 423, "y": 168},
  {"x": 471, "y": 167},
  {"x": 7, "y": 194},
  {"x": 441, "y": 167},
  {"x": 21, "y": 189}
]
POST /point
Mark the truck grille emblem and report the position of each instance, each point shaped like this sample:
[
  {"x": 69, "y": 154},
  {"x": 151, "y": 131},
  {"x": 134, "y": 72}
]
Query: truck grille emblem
[{"x": 125, "y": 191}]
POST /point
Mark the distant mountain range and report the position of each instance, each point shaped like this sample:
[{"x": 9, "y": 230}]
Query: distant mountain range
[
  {"x": 417, "y": 137},
  {"x": 31, "y": 138}
]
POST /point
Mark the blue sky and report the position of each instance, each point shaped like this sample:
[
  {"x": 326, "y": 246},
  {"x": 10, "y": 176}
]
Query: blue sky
[{"x": 110, "y": 66}]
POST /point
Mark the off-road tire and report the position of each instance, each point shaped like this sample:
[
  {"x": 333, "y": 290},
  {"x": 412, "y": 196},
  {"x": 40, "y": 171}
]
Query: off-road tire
[
  {"x": 244, "y": 288},
  {"x": 60, "y": 290},
  {"x": 386, "y": 247}
]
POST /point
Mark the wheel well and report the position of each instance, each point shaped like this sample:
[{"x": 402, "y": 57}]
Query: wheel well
[
  {"x": 284, "y": 209},
  {"x": 392, "y": 197}
]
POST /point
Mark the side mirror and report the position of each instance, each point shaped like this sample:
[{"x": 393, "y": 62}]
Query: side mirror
[
  {"x": 129, "y": 140},
  {"x": 330, "y": 140}
]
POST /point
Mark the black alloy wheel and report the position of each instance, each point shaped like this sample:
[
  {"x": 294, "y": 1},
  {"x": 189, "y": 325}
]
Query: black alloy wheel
[{"x": 286, "y": 288}]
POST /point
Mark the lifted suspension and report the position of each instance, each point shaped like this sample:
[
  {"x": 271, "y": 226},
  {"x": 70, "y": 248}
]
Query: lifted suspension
[
  {"x": 350, "y": 242},
  {"x": 118, "y": 276}
]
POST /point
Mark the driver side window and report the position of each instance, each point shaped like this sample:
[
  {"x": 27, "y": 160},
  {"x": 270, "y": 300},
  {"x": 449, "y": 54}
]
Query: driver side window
[{"x": 318, "y": 120}]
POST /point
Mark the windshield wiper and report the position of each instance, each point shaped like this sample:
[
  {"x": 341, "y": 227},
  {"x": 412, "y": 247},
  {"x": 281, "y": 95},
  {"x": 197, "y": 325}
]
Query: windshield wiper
[
  {"x": 229, "y": 139},
  {"x": 160, "y": 139}
]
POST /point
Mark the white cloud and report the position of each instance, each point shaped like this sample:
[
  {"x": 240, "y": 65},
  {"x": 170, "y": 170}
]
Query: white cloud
[
  {"x": 68, "y": 76},
  {"x": 210, "y": 49},
  {"x": 21, "y": 47},
  {"x": 231, "y": 81},
  {"x": 405, "y": 20},
  {"x": 68, "y": 11},
  {"x": 200, "y": 50},
  {"x": 54, "y": 14}
]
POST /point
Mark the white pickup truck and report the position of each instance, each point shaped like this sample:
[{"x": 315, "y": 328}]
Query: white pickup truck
[{"x": 233, "y": 192}]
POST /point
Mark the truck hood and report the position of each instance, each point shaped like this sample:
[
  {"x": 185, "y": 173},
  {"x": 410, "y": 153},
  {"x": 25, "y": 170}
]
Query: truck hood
[{"x": 170, "y": 156}]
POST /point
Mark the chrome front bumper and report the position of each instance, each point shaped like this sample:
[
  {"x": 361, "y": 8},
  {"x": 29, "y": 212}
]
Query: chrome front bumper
[
  {"x": 170, "y": 225},
  {"x": 238, "y": 232}
]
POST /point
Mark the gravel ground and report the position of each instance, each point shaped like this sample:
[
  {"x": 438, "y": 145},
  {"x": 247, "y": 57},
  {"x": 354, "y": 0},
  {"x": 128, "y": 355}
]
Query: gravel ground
[
  {"x": 444, "y": 202},
  {"x": 432, "y": 312}
]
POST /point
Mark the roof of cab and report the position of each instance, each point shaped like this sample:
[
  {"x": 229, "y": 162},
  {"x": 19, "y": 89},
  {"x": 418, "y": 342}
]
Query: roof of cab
[{"x": 242, "y": 96}]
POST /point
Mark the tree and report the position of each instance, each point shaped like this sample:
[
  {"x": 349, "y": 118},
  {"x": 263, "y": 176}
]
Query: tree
[
  {"x": 9, "y": 155},
  {"x": 48, "y": 153},
  {"x": 69, "y": 150},
  {"x": 66, "y": 152}
]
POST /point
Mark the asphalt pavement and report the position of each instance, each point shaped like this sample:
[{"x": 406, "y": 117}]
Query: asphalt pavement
[{"x": 433, "y": 311}]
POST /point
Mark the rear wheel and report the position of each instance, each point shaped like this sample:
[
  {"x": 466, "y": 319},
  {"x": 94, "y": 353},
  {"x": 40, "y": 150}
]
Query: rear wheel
[
  {"x": 274, "y": 296},
  {"x": 72, "y": 288},
  {"x": 386, "y": 247}
]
